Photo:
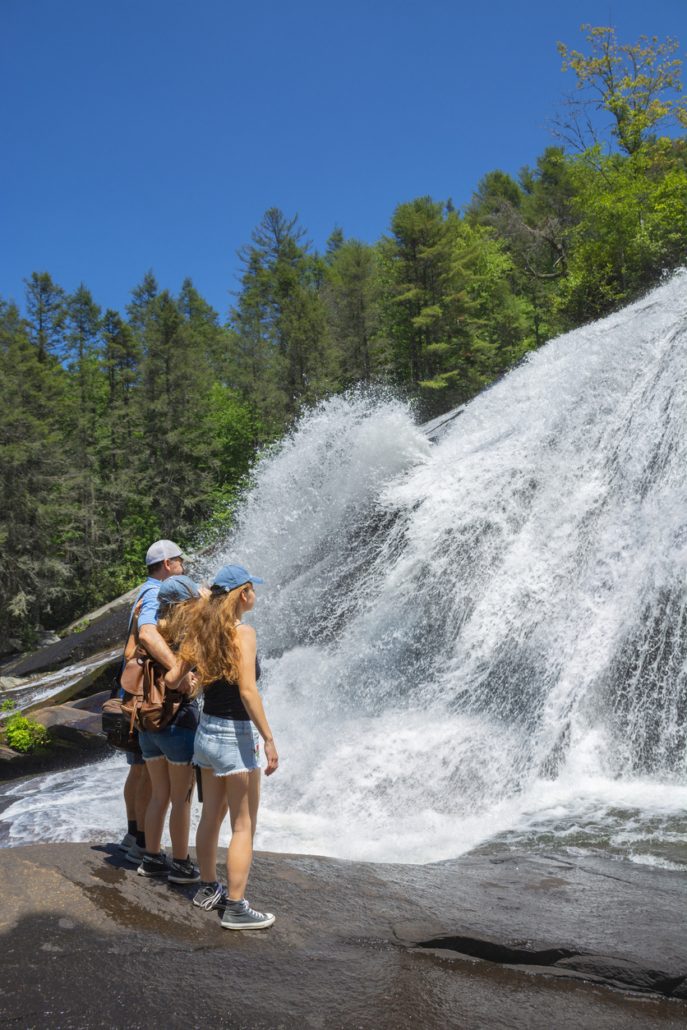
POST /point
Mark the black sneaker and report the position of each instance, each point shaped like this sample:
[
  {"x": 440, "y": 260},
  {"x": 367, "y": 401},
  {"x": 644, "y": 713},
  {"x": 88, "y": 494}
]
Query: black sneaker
[
  {"x": 183, "y": 871},
  {"x": 153, "y": 865},
  {"x": 212, "y": 895}
]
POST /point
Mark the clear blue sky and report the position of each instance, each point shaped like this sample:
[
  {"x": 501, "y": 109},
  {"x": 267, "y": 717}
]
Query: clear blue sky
[{"x": 154, "y": 133}]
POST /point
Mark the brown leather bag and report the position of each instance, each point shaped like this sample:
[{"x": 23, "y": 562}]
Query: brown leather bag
[{"x": 158, "y": 705}]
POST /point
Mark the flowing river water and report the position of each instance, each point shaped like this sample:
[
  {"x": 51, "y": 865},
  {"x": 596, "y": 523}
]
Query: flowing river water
[{"x": 475, "y": 640}]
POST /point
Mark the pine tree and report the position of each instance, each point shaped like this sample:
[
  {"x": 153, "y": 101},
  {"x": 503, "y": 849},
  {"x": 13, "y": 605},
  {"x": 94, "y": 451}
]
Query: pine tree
[
  {"x": 45, "y": 309},
  {"x": 351, "y": 296},
  {"x": 279, "y": 323},
  {"x": 34, "y": 578}
]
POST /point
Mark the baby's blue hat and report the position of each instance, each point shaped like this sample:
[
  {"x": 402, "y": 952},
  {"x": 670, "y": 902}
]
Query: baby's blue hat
[
  {"x": 176, "y": 589},
  {"x": 230, "y": 577}
]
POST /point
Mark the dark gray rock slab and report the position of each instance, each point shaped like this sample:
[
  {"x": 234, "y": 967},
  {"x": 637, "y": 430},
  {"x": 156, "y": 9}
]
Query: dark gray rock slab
[
  {"x": 560, "y": 913},
  {"x": 95, "y": 633},
  {"x": 90, "y": 938}
]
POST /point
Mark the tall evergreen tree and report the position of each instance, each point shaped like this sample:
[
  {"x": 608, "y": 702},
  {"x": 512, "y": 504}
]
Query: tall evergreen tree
[
  {"x": 351, "y": 294},
  {"x": 34, "y": 578},
  {"x": 417, "y": 259},
  {"x": 46, "y": 312},
  {"x": 279, "y": 322},
  {"x": 177, "y": 441}
]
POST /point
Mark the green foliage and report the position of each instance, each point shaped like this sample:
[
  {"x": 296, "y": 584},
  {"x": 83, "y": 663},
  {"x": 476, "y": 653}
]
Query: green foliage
[
  {"x": 638, "y": 84},
  {"x": 632, "y": 226},
  {"x": 7, "y": 705},
  {"x": 25, "y": 735},
  {"x": 280, "y": 351},
  {"x": 351, "y": 293}
]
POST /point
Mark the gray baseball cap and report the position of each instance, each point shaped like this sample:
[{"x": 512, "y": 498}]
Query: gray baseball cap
[{"x": 161, "y": 550}]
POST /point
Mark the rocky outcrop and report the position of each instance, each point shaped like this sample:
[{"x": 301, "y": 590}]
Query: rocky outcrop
[
  {"x": 75, "y": 738},
  {"x": 98, "y": 631},
  {"x": 485, "y": 941}
]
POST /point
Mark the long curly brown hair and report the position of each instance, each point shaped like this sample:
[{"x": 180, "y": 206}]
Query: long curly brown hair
[
  {"x": 174, "y": 624},
  {"x": 211, "y": 642}
]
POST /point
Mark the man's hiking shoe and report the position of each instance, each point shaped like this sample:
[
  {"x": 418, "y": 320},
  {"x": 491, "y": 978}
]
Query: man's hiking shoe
[
  {"x": 183, "y": 871},
  {"x": 212, "y": 895},
  {"x": 127, "y": 841},
  {"x": 238, "y": 915},
  {"x": 135, "y": 854},
  {"x": 153, "y": 865}
]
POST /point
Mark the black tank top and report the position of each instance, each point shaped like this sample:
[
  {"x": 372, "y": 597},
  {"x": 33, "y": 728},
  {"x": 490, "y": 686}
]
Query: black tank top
[{"x": 223, "y": 699}]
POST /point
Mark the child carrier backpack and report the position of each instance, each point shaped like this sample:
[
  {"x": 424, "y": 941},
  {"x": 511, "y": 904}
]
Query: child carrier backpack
[{"x": 140, "y": 698}]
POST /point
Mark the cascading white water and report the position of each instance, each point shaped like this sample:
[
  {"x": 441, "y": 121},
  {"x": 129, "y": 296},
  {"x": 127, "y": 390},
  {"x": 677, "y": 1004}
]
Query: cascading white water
[{"x": 486, "y": 635}]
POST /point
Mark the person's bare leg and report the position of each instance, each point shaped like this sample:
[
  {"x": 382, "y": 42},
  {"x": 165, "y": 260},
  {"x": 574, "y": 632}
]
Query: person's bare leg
[
  {"x": 143, "y": 791},
  {"x": 158, "y": 804},
  {"x": 180, "y": 791},
  {"x": 130, "y": 788},
  {"x": 243, "y": 795},
  {"x": 211, "y": 819}
]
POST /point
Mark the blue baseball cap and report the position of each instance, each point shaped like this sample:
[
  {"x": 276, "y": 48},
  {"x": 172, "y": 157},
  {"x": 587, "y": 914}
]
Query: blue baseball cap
[
  {"x": 177, "y": 589},
  {"x": 230, "y": 577}
]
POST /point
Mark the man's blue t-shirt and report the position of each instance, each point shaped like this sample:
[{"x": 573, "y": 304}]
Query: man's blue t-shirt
[{"x": 148, "y": 592}]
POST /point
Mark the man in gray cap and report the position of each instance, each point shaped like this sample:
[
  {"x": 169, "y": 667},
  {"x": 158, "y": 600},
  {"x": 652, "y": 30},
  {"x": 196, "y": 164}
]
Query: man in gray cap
[{"x": 164, "y": 559}]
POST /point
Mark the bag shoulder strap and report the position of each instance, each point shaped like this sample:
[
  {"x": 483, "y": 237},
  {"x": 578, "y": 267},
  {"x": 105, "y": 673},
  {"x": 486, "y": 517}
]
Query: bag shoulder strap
[{"x": 132, "y": 629}]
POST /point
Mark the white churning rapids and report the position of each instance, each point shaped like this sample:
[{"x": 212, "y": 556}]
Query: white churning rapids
[{"x": 487, "y": 634}]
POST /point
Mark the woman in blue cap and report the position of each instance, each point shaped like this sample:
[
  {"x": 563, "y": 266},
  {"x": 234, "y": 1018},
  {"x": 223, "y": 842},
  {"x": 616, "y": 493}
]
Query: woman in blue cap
[
  {"x": 222, "y": 652},
  {"x": 168, "y": 753}
]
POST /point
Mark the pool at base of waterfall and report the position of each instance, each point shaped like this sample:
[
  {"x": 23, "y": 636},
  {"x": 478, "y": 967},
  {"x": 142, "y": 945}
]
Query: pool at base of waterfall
[{"x": 639, "y": 820}]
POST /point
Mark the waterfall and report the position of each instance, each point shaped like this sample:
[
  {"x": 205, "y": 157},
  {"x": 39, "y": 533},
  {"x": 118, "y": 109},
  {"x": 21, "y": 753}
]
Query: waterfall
[{"x": 486, "y": 634}]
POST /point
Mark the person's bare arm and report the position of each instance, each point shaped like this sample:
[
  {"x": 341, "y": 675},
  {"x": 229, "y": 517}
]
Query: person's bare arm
[
  {"x": 250, "y": 696},
  {"x": 156, "y": 646},
  {"x": 180, "y": 677}
]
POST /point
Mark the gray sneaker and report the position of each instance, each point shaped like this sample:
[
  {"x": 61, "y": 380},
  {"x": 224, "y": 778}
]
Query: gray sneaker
[
  {"x": 238, "y": 915},
  {"x": 134, "y": 854},
  {"x": 212, "y": 895},
  {"x": 126, "y": 842}
]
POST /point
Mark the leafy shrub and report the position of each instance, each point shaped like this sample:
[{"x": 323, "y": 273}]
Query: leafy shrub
[
  {"x": 24, "y": 734},
  {"x": 7, "y": 705}
]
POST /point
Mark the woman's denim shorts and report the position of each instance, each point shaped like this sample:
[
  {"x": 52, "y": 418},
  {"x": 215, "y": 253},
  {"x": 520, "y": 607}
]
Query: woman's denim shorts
[
  {"x": 226, "y": 745},
  {"x": 175, "y": 743}
]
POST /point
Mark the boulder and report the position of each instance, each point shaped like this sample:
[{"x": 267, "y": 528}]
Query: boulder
[
  {"x": 69, "y": 723},
  {"x": 10, "y": 682}
]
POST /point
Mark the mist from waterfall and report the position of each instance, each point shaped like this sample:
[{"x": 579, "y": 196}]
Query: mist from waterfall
[{"x": 485, "y": 635}]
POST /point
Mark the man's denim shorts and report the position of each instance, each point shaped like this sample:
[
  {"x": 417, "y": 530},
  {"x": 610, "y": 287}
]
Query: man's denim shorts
[
  {"x": 226, "y": 745},
  {"x": 132, "y": 759},
  {"x": 175, "y": 743}
]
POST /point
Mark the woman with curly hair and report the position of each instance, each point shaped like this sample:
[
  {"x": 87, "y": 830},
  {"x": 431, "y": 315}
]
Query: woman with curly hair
[{"x": 221, "y": 650}]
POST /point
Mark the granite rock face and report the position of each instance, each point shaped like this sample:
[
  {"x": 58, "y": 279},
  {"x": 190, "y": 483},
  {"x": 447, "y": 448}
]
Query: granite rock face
[
  {"x": 478, "y": 942},
  {"x": 103, "y": 629}
]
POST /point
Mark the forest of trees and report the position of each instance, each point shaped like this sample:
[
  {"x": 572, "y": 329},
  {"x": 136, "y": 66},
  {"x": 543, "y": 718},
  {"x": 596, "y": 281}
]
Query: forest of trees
[{"x": 120, "y": 427}]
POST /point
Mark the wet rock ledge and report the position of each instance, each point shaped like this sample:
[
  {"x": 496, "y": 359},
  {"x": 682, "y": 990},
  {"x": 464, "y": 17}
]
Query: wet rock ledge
[{"x": 483, "y": 941}]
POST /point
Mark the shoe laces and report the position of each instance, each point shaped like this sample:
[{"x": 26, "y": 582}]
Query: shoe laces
[
  {"x": 246, "y": 910},
  {"x": 212, "y": 895}
]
